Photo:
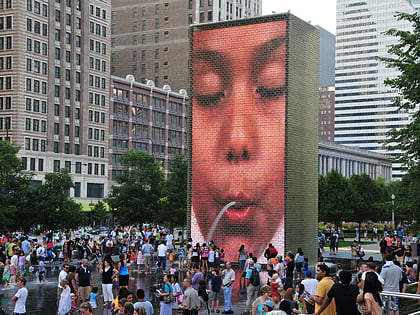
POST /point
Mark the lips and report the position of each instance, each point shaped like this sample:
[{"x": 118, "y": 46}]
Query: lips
[{"x": 242, "y": 210}]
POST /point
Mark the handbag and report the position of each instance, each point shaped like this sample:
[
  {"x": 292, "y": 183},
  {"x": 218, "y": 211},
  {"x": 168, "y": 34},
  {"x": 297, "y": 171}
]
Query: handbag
[{"x": 168, "y": 298}]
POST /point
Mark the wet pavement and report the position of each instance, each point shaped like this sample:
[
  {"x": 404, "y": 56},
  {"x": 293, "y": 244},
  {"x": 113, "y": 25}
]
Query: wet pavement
[{"x": 42, "y": 297}]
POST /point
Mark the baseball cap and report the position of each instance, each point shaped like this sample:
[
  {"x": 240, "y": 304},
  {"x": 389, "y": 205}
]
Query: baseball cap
[
  {"x": 308, "y": 273},
  {"x": 269, "y": 303}
]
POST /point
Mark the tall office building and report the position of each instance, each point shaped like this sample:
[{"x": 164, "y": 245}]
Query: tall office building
[
  {"x": 364, "y": 112},
  {"x": 150, "y": 38},
  {"x": 54, "y": 88}
]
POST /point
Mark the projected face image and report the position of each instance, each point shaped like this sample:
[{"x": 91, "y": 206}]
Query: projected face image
[{"x": 238, "y": 141}]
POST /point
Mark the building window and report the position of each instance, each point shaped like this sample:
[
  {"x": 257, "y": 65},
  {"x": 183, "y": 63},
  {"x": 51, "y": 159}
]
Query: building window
[
  {"x": 56, "y": 165},
  {"x": 95, "y": 190},
  {"x": 77, "y": 188}
]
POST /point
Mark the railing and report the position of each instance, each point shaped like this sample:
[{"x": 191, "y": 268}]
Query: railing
[{"x": 409, "y": 308}]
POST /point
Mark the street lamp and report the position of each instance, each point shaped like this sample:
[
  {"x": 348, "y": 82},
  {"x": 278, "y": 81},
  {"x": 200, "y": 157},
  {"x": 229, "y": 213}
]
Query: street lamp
[
  {"x": 393, "y": 211},
  {"x": 91, "y": 206}
]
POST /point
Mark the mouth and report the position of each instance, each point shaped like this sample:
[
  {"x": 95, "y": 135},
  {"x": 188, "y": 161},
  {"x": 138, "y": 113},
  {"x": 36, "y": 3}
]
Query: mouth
[{"x": 241, "y": 211}]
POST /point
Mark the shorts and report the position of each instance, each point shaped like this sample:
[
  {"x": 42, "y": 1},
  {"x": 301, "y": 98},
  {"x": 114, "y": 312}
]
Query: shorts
[
  {"x": 393, "y": 303},
  {"x": 147, "y": 260},
  {"x": 41, "y": 276},
  {"x": 214, "y": 296},
  {"x": 123, "y": 280},
  {"x": 204, "y": 258},
  {"x": 84, "y": 293},
  {"x": 93, "y": 304},
  {"x": 211, "y": 264}
]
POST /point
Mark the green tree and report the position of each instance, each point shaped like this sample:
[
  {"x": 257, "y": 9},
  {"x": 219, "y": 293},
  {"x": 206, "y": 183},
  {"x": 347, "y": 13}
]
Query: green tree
[
  {"x": 175, "y": 209},
  {"x": 366, "y": 199},
  {"x": 99, "y": 212},
  {"x": 334, "y": 198},
  {"x": 53, "y": 209},
  {"x": 138, "y": 196},
  {"x": 14, "y": 190},
  {"x": 405, "y": 57}
]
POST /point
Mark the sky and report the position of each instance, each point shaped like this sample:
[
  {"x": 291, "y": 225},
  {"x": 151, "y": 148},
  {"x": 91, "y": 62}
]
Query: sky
[{"x": 319, "y": 12}]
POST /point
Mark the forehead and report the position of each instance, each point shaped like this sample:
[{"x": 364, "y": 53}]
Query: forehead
[{"x": 241, "y": 37}]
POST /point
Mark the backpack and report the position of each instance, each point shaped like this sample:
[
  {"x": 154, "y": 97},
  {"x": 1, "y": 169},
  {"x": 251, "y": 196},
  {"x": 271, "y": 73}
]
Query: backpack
[{"x": 255, "y": 277}]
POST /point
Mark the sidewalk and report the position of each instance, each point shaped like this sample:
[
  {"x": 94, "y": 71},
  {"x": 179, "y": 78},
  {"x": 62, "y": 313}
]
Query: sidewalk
[{"x": 345, "y": 252}]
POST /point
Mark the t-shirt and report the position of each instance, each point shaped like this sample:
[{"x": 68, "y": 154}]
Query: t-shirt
[
  {"x": 195, "y": 279},
  {"x": 26, "y": 246},
  {"x": 322, "y": 290},
  {"x": 290, "y": 268},
  {"x": 215, "y": 283},
  {"x": 211, "y": 256},
  {"x": 61, "y": 276},
  {"x": 169, "y": 238},
  {"x": 310, "y": 285},
  {"x": 391, "y": 274},
  {"x": 227, "y": 276},
  {"x": 345, "y": 298},
  {"x": 146, "y": 305},
  {"x": 162, "y": 250},
  {"x": 147, "y": 249},
  {"x": 381, "y": 280},
  {"x": 20, "y": 306}
]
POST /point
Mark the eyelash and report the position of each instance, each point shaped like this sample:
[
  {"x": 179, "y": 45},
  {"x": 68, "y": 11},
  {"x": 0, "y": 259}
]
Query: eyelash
[
  {"x": 212, "y": 99},
  {"x": 209, "y": 100},
  {"x": 271, "y": 92}
]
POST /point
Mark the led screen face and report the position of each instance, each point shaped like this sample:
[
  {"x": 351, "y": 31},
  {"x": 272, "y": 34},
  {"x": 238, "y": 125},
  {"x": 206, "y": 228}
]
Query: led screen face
[{"x": 238, "y": 137}]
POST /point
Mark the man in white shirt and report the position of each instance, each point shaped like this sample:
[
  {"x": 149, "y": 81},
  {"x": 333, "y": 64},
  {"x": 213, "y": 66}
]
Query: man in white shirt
[
  {"x": 20, "y": 297},
  {"x": 162, "y": 249},
  {"x": 62, "y": 275},
  {"x": 169, "y": 241}
]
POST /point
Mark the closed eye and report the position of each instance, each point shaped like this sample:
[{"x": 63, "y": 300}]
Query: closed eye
[
  {"x": 271, "y": 92},
  {"x": 210, "y": 100}
]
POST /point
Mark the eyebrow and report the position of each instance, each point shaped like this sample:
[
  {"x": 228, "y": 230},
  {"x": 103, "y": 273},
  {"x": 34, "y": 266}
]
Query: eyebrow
[
  {"x": 264, "y": 53},
  {"x": 218, "y": 61}
]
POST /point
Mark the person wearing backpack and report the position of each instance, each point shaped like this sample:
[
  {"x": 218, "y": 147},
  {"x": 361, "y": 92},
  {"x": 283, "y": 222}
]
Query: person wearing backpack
[{"x": 253, "y": 280}]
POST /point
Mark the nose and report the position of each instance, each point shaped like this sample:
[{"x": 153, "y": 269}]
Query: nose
[{"x": 241, "y": 132}]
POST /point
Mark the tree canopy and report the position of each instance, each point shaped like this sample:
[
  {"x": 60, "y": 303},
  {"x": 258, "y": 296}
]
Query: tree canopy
[
  {"x": 138, "y": 196},
  {"x": 405, "y": 57}
]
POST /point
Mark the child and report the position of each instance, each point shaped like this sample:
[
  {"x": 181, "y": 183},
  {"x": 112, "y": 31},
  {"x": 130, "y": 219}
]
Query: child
[
  {"x": 171, "y": 257},
  {"x": 305, "y": 264},
  {"x": 64, "y": 305},
  {"x": 21, "y": 263},
  {"x": 73, "y": 298},
  {"x": 6, "y": 274},
  {"x": 139, "y": 259},
  {"x": 159, "y": 274},
  {"x": 93, "y": 297},
  {"x": 215, "y": 290},
  {"x": 41, "y": 270},
  {"x": 172, "y": 270}
]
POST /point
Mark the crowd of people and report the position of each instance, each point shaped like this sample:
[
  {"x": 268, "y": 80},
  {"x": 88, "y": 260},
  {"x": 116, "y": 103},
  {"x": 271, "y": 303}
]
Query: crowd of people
[{"x": 193, "y": 278}]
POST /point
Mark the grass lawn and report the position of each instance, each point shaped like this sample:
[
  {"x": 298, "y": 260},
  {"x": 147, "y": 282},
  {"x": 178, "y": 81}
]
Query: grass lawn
[{"x": 348, "y": 243}]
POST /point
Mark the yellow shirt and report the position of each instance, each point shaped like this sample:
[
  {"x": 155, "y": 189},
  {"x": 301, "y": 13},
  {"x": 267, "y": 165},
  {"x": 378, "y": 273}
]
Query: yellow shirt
[{"x": 322, "y": 290}]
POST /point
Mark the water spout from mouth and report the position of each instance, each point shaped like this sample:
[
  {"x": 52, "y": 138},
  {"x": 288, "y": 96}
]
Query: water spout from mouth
[{"x": 216, "y": 221}]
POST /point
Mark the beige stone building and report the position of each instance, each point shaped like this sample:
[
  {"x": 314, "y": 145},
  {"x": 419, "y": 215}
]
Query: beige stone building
[
  {"x": 150, "y": 37},
  {"x": 54, "y": 88}
]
